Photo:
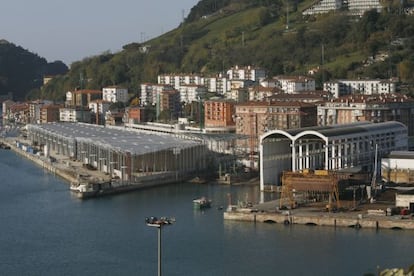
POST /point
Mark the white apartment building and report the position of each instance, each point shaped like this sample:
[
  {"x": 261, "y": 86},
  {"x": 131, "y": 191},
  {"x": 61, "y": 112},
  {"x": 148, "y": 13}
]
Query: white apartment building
[
  {"x": 150, "y": 92},
  {"x": 260, "y": 93},
  {"x": 354, "y": 7},
  {"x": 99, "y": 106},
  {"x": 295, "y": 84},
  {"x": 246, "y": 73},
  {"x": 191, "y": 93},
  {"x": 358, "y": 7},
  {"x": 323, "y": 6},
  {"x": 115, "y": 94},
  {"x": 74, "y": 115},
  {"x": 178, "y": 80},
  {"x": 218, "y": 84},
  {"x": 340, "y": 88}
]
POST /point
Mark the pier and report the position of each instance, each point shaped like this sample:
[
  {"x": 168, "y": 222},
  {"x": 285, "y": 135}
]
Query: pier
[{"x": 309, "y": 216}]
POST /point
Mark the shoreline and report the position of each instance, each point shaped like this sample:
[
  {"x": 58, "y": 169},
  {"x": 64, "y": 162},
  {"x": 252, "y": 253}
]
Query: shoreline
[{"x": 73, "y": 173}]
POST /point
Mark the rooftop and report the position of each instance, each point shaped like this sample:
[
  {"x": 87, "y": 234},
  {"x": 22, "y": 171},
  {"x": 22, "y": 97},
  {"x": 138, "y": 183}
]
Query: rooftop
[{"x": 125, "y": 140}]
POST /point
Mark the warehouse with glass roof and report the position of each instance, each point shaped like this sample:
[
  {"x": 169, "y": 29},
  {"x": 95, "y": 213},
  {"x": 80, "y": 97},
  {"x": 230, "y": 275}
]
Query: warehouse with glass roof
[
  {"x": 332, "y": 148},
  {"x": 122, "y": 153}
]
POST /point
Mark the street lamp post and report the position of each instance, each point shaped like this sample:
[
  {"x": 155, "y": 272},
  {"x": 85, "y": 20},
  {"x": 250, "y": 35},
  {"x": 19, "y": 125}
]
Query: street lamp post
[{"x": 159, "y": 223}]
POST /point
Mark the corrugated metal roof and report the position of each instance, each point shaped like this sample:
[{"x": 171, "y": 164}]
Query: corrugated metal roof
[{"x": 124, "y": 140}]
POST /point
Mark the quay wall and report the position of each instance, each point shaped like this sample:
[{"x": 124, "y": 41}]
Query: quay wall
[
  {"x": 41, "y": 162},
  {"x": 321, "y": 219},
  {"x": 146, "y": 181}
]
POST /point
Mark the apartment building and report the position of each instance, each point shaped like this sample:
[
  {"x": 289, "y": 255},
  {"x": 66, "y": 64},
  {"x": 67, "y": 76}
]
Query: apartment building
[
  {"x": 259, "y": 93},
  {"x": 323, "y": 6},
  {"x": 49, "y": 113},
  {"x": 358, "y": 7},
  {"x": 170, "y": 101},
  {"x": 340, "y": 88},
  {"x": 192, "y": 93},
  {"x": 134, "y": 115},
  {"x": 219, "y": 115},
  {"x": 295, "y": 84},
  {"x": 306, "y": 97},
  {"x": 354, "y": 7},
  {"x": 35, "y": 110},
  {"x": 246, "y": 73},
  {"x": 82, "y": 97},
  {"x": 115, "y": 94},
  {"x": 255, "y": 118},
  {"x": 151, "y": 91},
  {"x": 99, "y": 109},
  {"x": 16, "y": 112},
  {"x": 372, "y": 108},
  {"x": 78, "y": 114},
  {"x": 217, "y": 84},
  {"x": 178, "y": 80}
]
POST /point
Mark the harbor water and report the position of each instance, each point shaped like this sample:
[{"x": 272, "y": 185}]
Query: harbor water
[{"x": 47, "y": 231}]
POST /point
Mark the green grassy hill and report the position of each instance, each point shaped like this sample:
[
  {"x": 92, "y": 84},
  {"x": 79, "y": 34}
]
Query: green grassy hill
[{"x": 270, "y": 34}]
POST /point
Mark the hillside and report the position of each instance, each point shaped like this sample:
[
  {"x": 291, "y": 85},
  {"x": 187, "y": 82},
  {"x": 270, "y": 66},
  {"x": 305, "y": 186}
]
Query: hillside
[
  {"x": 269, "y": 34},
  {"x": 21, "y": 71}
]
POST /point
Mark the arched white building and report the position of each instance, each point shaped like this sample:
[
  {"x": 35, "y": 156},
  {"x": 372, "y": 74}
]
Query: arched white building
[{"x": 329, "y": 148}]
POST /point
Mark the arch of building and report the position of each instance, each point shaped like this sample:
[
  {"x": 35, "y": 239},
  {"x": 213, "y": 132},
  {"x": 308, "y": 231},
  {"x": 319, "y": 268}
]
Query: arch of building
[{"x": 329, "y": 147}]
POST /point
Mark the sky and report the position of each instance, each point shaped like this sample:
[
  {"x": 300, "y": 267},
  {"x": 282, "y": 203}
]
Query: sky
[{"x": 75, "y": 29}]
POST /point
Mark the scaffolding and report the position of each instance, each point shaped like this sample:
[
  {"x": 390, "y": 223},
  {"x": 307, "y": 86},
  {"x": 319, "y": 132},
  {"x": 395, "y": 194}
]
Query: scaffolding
[{"x": 318, "y": 181}]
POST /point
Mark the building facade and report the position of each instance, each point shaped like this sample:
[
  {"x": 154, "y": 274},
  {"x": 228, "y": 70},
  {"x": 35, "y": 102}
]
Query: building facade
[
  {"x": 115, "y": 94},
  {"x": 192, "y": 93},
  {"x": 49, "y": 113},
  {"x": 354, "y": 7},
  {"x": 219, "y": 113},
  {"x": 329, "y": 148},
  {"x": 295, "y": 84},
  {"x": 82, "y": 98},
  {"x": 340, "y": 88},
  {"x": 256, "y": 118},
  {"x": 246, "y": 73},
  {"x": 170, "y": 102},
  {"x": 376, "y": 108},
  {"x": 150, "y": 92}
]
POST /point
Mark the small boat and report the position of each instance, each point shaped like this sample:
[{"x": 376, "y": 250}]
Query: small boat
[
  {"x": 4, "y": 146},
  {"x": 158, "y": 222},
  {"x": 201, "y": 203}
]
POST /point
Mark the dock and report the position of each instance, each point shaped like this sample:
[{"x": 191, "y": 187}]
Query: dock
[
  {"x": 309, "y": 216},
  {"x": 85, "y": 183}
]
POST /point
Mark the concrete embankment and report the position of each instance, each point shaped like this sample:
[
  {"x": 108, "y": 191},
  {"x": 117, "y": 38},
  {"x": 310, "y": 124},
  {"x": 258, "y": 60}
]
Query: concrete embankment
[
  {"x": 351, "y": 219},
  {"x": 41, "y": 161},
  {"x": 70, "y": 170}
]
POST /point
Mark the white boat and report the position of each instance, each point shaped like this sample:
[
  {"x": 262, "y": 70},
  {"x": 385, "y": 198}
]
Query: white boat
[{"x": 201, "y": 203}]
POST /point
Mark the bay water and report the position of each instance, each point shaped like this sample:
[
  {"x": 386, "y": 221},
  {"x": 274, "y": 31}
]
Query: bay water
[{"x": 44, "y": 230}]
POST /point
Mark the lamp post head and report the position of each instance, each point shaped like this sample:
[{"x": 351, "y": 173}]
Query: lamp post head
[{"x": 159, "y": 222}]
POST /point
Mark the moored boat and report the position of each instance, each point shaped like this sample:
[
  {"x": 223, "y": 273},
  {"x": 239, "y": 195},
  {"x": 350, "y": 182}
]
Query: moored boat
[
  {"x": 201, "y": 203},
  {"x": 4, "y": 146},
  {"x": 158, "y": 222}
]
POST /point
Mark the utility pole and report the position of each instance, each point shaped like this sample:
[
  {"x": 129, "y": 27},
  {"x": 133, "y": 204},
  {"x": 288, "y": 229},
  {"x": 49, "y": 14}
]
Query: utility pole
[
  {"x": 81, "y": 95},
  {"x": 323, "y": 62},
  {"x": 287, "y": 15}
]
